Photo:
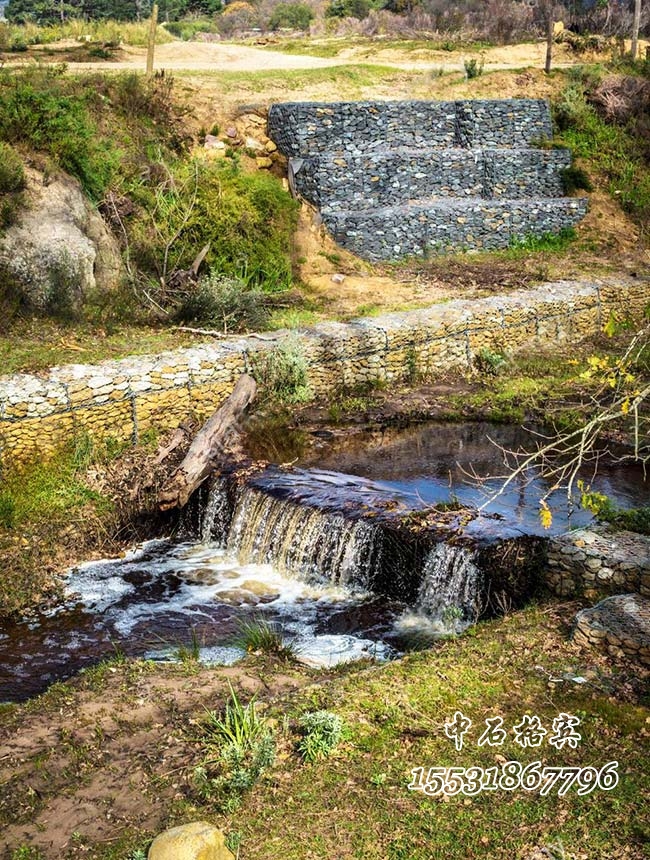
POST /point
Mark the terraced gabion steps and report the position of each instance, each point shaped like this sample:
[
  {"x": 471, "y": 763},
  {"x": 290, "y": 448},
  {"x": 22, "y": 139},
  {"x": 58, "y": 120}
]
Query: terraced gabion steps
[{"x": 409, "y": 178}]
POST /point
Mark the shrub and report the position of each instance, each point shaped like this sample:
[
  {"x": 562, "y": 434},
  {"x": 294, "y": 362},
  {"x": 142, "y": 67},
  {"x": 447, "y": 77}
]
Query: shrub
[
  {"x": 348, "y": 9},
  {"x": 474, "y": 68},
  {"x": 225, "y": 302},
  {"x": 240, "y": 747},
  {"x": 247, "y": 219},
  {"x": 36, "y": 108},
  {"x": 296, "y": 16},
  {"x": 283, "y": 372},
  {"x": 322, "y": 731},
  {"x": 12, "y": 181}
]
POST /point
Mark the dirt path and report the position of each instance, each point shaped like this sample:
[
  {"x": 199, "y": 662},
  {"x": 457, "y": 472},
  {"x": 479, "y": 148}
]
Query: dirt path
[{"x": 220, "y": 57}]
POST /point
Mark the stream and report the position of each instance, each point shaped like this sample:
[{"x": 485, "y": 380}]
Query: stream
[{"x": 292, "y": 547}]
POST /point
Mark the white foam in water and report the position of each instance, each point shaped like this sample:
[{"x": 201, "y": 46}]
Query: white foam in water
[
  {"x": 205, "y": 576},
  {"x": 330, "y": 650}
]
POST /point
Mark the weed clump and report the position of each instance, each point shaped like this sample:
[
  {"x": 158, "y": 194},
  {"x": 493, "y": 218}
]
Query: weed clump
[
  {"x": 474, "y": 68},
  {"x": 12, "y": 172},
  {"x": 240, "y": 747},
  {"x": 259, "y": 636},
  {"x": 321, "y": 732},
  {"x": 225, "y": 302},
  {"x": 283, "y": 372}
]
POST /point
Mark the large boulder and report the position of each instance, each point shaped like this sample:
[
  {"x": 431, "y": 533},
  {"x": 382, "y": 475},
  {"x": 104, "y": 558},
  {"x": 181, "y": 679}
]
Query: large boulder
[
  {"x": 198, "y": 840},
  {"x": 59, "y": 251}
]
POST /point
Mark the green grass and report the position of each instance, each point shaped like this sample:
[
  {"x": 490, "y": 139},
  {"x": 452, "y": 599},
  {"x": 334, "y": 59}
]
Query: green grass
[
  {"x": 36, "y": 344},
  {"x": 348, "y": 79},
  {"x": 126, "y": 32},
  {"x": 612, "y": 150},
  {"x": 396, "y": 716},
  {"x": 368, "y": 45},
  {"x": 259, "y": 636}
]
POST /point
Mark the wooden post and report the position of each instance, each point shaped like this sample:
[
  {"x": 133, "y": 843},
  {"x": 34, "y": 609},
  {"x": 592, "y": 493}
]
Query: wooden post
[
  {"x": 550, "y": 36},
  {"x": 634, "y": 49},
  {"x": 152, "y": 38}
]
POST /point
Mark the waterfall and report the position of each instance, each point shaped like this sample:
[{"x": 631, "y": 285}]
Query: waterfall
[
  {"x": 450, "y": 590},
  {"x": 303, "y": 541},
  {"x": 306, "y": 538},
  {"x": 215, "y": 517}
]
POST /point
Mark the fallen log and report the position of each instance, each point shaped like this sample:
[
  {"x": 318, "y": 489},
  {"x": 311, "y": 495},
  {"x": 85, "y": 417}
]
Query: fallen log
[{"x": 216, "y": 439}]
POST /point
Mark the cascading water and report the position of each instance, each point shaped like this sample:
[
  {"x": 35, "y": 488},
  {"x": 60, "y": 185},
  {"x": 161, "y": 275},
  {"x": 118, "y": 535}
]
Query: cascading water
[
  {"x": 450, "y": 590},
  {"x": 305, "y": 542}
]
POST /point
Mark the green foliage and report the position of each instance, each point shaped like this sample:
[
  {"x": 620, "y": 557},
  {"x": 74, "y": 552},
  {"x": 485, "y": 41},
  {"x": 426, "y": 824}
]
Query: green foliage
[
  {"x": 295, "y": 16},
  {"x": 574, "y": 179},
  {"x": 247, "y": 219},
  {"x": 190, "y": 653},
  {"x": 488, "y": 362},
  {"x": 348, "y": 9},
  {"x": 546, "y": 242},
  {"x": 225, "y": 302},
  {"x": 7, "y": 510},
  {"x": 259, "y": 636},
  {"x": 12, "y": 182},
  {"x": 25, "y": 852},
  {"x": 240, "y": 747},
  {"x": 96, "y": 128},
  {"x": 473, "y": 68},
  {"x": 188, "y": 28},
  {"x": 613, "y": 150},
  {"x": 39, "y": 108},
  {"x": 321, "y": 732},
  {"x": 283, "y": 372},
  {"x": 602, "y": 507}
]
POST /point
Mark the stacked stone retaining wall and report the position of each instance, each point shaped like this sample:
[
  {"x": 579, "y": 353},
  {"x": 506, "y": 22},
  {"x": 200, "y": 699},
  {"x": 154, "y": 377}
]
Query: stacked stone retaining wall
[
  {"x": 124, "y": 398},
  {"x": 394, "y": 179},
  {"x": 597, "y": 562}
]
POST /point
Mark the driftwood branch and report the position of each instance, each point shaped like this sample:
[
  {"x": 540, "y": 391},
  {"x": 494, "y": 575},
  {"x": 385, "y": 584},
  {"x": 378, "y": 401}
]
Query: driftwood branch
[
  {"x": 211, "y": 332},
  {"x": 215, "y": 440}
]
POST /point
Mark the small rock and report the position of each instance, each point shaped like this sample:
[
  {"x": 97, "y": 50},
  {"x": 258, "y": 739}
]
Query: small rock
[
  {"x": 231, "y": 132},
  {"x": 213, "y": 142},
  {"x": 263, "y": 162},
  {"x": 198, "y": 840},
  {"x": 338, "y": 278},
  {"x": 252, "y": 143},
  {"x": 270, "y": 146}
]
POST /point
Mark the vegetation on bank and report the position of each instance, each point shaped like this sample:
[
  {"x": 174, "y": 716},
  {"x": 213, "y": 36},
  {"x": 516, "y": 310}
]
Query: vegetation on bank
[{"x": 356, "y": 732}]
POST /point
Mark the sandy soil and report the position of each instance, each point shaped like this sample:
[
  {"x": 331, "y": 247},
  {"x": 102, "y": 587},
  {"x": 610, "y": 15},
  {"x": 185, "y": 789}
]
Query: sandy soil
[
  {"x": 222, "y": 57},
  {"x": 113, "y": 752}
]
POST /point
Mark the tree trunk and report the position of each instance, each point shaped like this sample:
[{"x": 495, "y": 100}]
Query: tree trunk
[
  {"x": 214, "y": 440},
  {"x": 634, "y": 50},
  {"x": 549, "y": 39}
]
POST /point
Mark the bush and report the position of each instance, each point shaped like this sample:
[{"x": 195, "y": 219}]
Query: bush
[
  {"x": 283, "y": 372},
  {"x": 296, "y": 16},
  {"x": 12, "y": 172},
  {"x": 322, "y": 731},
  {"x": 37, "y": 109},
  {"x": 575, "y": 178},
  {"x": 348, "y": 9},
  {"x": 474, "y": 68},
  {"x": 225, "y": 302},
  {"x": 247, "y": 219}
]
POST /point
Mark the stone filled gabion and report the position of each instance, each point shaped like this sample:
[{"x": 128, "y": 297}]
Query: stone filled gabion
[
  {"x": 598, "y": 561},
  {"x": 124, "y": 398},
  {"x": 394, "y": 179},
  {"x": 618, "y": 625}
]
